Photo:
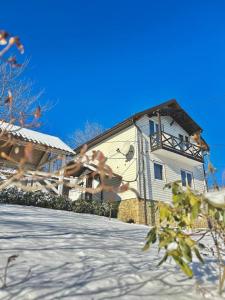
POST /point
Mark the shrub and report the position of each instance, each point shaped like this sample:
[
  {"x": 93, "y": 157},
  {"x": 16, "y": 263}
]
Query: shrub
[
  {"x": 95, "y": 207},
  {"x": 14, "y": 195}
]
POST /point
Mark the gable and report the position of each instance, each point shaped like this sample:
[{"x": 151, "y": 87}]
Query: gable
[{"x": 170, "y": 108}]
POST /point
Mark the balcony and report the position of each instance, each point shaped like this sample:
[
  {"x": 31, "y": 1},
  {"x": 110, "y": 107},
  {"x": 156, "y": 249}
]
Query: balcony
[{"x": 165, "y": 141}]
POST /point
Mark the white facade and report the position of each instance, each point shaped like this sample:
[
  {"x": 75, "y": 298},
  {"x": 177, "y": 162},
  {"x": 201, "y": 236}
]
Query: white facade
[
  {"x": 139, "y": 170},
  {"x": 117, "y": 161},
  {"x": 172, "y": 163}
]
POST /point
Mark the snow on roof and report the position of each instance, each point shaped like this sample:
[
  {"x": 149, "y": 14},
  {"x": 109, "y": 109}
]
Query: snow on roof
[{"x": 35, "y": 137}]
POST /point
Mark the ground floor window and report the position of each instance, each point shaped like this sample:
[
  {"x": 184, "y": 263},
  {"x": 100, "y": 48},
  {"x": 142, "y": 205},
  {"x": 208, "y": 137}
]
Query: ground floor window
[
  {"x": 158, "y": 171},
  {"x": 186, "y": 178}
]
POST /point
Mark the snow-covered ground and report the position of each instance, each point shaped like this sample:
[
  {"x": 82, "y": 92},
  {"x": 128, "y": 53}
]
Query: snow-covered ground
[{"x": 63, "y": 255}]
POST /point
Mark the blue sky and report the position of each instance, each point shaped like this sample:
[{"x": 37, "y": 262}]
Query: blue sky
[{"x": 103, "y": 61}]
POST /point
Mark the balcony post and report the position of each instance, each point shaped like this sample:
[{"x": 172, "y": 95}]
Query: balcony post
[{"x": 160, "y": 128}]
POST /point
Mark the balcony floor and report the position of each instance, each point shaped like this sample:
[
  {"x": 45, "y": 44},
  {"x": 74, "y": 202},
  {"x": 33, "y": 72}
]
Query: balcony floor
[{"x": 164, "y": 153}]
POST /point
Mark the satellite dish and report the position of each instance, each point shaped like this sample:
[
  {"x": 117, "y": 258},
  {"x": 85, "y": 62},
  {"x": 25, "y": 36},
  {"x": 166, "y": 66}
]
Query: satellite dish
[
  {"x": 130, "y": 153},
  {"x": 127, "y": 150}
]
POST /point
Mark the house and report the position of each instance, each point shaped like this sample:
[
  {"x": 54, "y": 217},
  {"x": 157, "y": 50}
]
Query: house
[
  {"x": 83, "y": 177},
  {"x": 49, "y": 154},
  {"x": 149, "y": 150}
]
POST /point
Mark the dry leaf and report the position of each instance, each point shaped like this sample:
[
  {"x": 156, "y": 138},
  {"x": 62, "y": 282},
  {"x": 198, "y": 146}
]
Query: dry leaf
[
  {"x": 28, "y": 152},
  {"x": 83, "y": 150},
  {"x": 3, "y": 37},
  {"x": 12, "y": 258},
  {"x": 9, "y": 99},
  {"x": 37, "y": 113}
]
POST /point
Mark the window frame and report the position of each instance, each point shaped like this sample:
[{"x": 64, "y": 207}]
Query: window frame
[
  {"x": 186, "y": 178},
  {"x": 151, "y": 123},
  {"x": 155, "y": 127},
  {"x": 162, "y": 171}
]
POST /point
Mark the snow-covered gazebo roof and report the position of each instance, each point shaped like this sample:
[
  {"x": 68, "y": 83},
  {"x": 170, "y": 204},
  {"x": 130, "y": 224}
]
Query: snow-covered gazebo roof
[
  {"x": 35, "y": 137},
  {"x": 13, "y": 140}
]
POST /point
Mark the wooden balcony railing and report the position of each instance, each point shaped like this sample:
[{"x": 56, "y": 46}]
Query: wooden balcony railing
[{"x": 163, "y": 140}]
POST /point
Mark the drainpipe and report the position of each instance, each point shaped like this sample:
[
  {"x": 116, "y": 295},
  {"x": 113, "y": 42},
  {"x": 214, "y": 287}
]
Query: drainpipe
[
  {"x": 205, "y": 178},
  {"x": 203, "y": 165},
  {"x": 141, "y": 151},
  {"x": 160, "y": 128}
]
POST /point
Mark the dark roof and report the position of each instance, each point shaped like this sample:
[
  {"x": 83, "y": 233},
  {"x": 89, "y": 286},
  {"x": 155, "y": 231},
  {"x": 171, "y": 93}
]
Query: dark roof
[{"x": 169, "y": 108}]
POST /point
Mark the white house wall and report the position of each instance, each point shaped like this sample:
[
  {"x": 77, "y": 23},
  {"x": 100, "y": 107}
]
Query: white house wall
[
  {"x": 117, "y": 161},
  {"x": 171, "y": 167}
]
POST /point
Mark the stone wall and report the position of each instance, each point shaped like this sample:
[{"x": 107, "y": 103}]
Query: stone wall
[
  {"x": 129, "y": 211},
  {"x": 132, "y": 210}
]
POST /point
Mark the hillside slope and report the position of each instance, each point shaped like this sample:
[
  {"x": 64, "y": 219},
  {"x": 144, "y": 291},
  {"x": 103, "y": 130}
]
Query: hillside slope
[{"x": 64, "y": 255}]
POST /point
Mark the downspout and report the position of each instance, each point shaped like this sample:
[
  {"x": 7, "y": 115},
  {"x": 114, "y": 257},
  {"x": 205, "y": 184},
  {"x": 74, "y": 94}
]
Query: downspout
[
  {"x": 204, "y": 171},
  {"x": 141, "y": 151},
  {"x": 203, "y": 165}
]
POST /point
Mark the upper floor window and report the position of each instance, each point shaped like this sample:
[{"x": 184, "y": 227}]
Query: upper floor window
[
  {"x": 186, "y": 178},
  {"x": 158, "y": 171},
  {"x": 153, "y": 127},
  {"x": 184, "y": 142}
]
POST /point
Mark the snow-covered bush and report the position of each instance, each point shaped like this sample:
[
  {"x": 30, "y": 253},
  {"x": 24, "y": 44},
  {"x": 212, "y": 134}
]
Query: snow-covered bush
[
  {"x": 96, "y": 208},
  {"x": 14, "y": 195}
]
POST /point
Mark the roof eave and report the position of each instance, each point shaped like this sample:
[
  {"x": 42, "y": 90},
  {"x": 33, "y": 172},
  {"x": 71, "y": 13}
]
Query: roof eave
[{"x": 128, "y": 122}]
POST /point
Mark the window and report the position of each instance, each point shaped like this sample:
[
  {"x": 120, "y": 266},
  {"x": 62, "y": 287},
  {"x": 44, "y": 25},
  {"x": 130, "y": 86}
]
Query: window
[
  {"x": 154, "y": 127},
  {"x": 151, "y": 127},
  {"x": 181, "y": 141},
  {"x": 187, "y": 142},
  {"x": 158, "y": 171},
  {"x": 186, "y": 178},
  {"x": 89, "y": 184}
]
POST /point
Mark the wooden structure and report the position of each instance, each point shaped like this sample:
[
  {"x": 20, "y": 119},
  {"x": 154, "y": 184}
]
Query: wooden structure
[
  {"x": 48, "y": 155},
  {"x": 163, "y": 140}
]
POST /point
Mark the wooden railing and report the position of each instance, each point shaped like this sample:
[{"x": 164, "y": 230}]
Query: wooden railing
[
  {"x": 163, "y": 140},
  {"x": 38, "y": 180}
]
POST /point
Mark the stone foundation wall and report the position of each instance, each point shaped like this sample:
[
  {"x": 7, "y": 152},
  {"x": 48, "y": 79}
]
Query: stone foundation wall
[
  {"x": 129, "y": 211},
  {"x": 132, "y": 210}
]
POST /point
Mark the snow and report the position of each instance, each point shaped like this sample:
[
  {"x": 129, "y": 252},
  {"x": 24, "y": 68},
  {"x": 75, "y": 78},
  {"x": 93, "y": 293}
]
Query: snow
[
  {"x": 64, "y": 255},
  {"x": 36, "y": 137}
]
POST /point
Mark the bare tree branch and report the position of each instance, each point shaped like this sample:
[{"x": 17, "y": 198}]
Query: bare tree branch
[
  {"x": 23, "y": 100},
  {"x": 90, "y": 130}
]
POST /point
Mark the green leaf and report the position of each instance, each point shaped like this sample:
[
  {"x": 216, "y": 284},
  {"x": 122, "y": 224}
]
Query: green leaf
[
  {"x": 151, "y": 234},
  {"x": 217, "y": 215},
  {"x": 197, "y": 253},
  {"x": 184, "y": 266},
  {"x": 193, "y": 200},
  {"x": 187, "y": 270},
  {"x": 177, "y": 198},
  {"x": 146, "y": 246},
  {"x": 151, "y": 239},
  {"x": 165, "y": 241},
  {"x": 202, "y": 246},
  {"x": 176, "y": 188},
  {"x": 190, "y": 242},
  {"x": 163, "y": 259},
  {"x": 164, "y": 212},
  {"x": 195, "y": 211},
  {"x": 186, "y": 250}
]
